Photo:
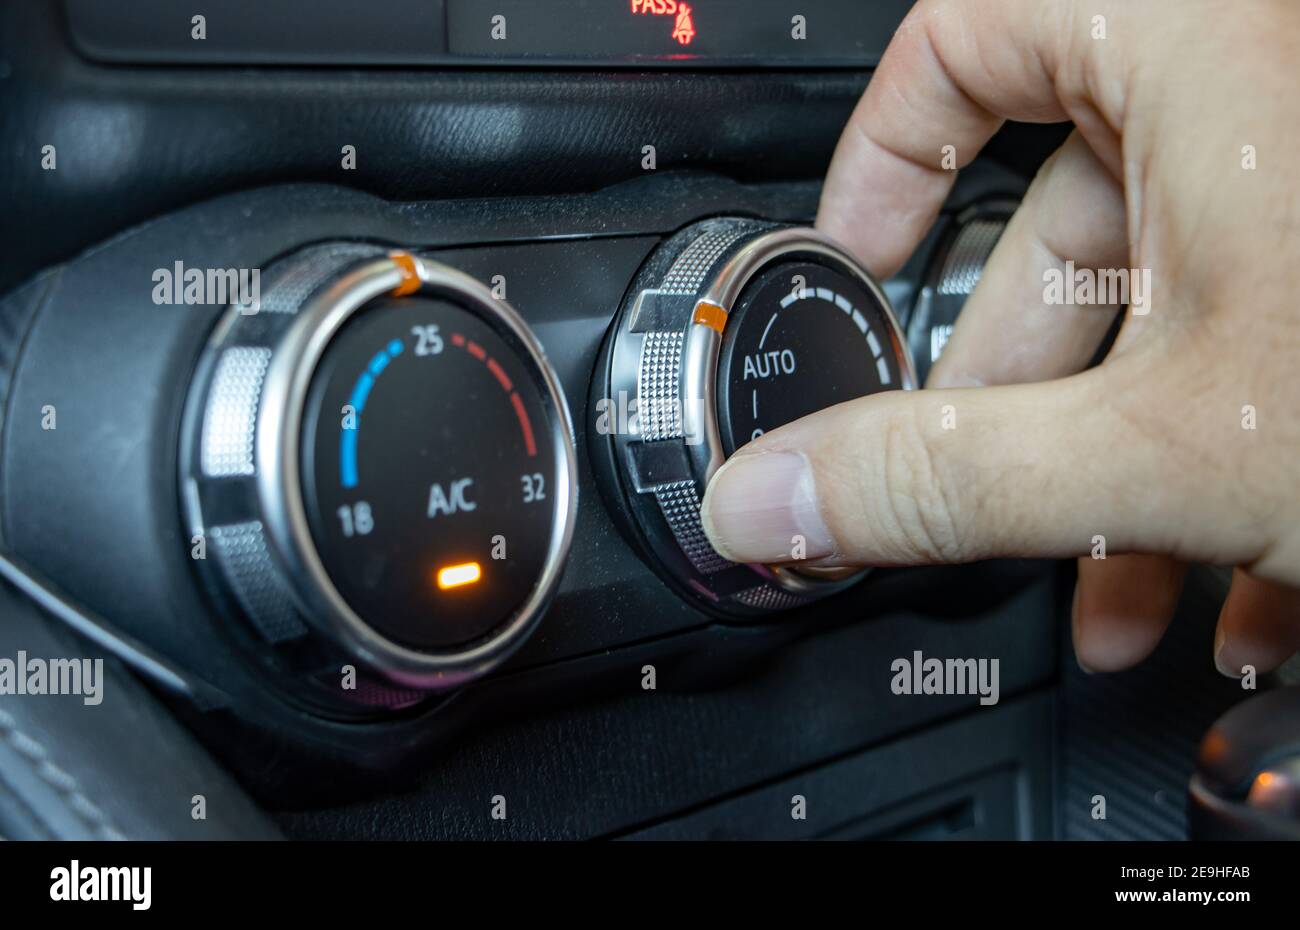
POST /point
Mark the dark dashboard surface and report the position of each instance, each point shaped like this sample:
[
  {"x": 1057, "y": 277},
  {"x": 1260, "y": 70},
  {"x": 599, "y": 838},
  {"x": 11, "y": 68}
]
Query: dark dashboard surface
[{"x": 165, "y": 137}]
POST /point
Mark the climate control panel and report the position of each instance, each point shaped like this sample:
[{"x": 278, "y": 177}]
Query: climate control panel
[
  {"x": 382, "y": 461},
  {"x": 447, "y": 459}
]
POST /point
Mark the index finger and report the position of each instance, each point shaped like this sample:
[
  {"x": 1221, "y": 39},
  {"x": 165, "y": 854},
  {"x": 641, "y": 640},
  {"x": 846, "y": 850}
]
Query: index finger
[{"x": 953, "y": 73}]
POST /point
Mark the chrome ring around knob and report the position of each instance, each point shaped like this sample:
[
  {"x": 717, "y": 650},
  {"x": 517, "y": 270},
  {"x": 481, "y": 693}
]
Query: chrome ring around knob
[
  {"x": 247, "y": 454},
  {"x": 689, "y": 311}
]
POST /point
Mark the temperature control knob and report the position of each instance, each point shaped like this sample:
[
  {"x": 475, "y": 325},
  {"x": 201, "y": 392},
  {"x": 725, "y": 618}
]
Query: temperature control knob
[
  {"x": 733, "y": 327},
  {"x": 380, "y": 462}
]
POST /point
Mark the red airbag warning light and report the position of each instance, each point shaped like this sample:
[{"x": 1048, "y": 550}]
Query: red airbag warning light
[{"x": 683, "y": 21}]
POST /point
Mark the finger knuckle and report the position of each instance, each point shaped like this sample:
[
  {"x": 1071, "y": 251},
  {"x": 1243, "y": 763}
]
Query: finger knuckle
[{"x": 919, "y": 501}]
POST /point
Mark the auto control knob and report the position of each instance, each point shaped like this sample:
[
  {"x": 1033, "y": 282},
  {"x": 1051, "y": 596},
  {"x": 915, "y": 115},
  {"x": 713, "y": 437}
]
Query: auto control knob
[
  {"x": 955, "y": 268},
  {"x": 380, "y": 461},
  {"x": 732, "y": 328}
]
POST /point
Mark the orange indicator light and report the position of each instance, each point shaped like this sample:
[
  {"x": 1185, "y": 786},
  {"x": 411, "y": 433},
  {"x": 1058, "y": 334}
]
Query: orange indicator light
[{"x": 454, "y": 576}]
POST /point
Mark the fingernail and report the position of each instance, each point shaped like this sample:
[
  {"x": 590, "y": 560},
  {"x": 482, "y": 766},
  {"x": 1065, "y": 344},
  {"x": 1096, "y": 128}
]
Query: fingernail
[
  {"x": 1221, "y": 661},
  {"x": 1074, "y": 631},
  {"x": 762, "y": 507}
]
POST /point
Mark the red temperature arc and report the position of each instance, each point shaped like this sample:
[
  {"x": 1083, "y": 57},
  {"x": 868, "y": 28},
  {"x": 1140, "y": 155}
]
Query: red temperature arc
[{"x": 525, "y": 424}]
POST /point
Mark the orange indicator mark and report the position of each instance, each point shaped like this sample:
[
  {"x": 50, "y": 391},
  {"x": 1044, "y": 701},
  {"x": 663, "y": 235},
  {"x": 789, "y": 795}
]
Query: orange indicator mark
[
  {"x": 710, "y": 315},
  {"x": 410, "y": 276},
  {"x": 455, "y": 576}
]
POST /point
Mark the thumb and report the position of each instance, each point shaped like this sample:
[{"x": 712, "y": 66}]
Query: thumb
[{"x": 924, "y": 477}]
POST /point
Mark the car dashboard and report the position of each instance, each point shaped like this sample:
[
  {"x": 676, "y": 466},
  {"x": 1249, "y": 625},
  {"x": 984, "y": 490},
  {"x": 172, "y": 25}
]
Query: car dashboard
[{"x": 362, "y": 373}]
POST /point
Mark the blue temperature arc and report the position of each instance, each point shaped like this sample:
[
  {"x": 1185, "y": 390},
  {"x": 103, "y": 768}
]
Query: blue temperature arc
[{"x": 357, "y": 401}]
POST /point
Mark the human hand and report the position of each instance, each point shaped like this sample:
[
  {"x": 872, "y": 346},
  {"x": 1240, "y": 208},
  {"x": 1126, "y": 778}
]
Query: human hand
[{"x": 1184, "y": 444}]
